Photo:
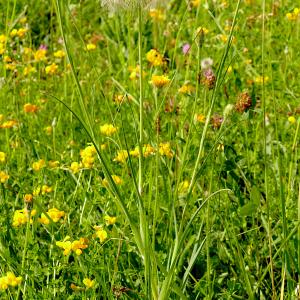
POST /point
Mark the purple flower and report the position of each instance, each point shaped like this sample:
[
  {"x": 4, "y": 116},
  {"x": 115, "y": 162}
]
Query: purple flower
[
  {"x": 186, "y": 48},
  {"x": 44, "y": 47}
]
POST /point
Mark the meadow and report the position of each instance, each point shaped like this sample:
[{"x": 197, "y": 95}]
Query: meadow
[{"x": 149, "y": 149}]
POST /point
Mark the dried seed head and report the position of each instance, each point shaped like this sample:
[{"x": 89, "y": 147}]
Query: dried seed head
[
  {"x": 244, "y": 102},
  {"x": 209, "y": 79},
  {"x": 217, "y": 121},
  {"x": 117, "y": 5}
]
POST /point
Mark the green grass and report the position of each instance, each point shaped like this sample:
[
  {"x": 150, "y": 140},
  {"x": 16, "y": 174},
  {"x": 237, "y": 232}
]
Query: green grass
[{"x": 212, "y": 209}]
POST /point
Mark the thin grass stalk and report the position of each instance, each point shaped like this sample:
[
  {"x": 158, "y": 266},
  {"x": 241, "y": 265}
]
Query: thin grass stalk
[
  {"x": 265, "y": 145},
  {"x": 213, "y": 99}
]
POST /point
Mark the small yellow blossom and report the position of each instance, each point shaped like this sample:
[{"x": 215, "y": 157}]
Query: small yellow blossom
[
  {"x": 40, "y": 54},
  {"x": 165, "y": 149},
  {"x": 121, "y": 156},
  {"x": 195, "y": 3},
  {"x": 13, "y": 33},
  {"x": 117, "y": 180},
  {"x": 2, "y": 48},
  {"x": 201, "y": 30},
  {"x": 155, "y": 58},
  {"x": 135, "y": 152},
  {"x": 293, "y": 16},
  {"x": 28, "y": 70},
  {"x": 88, "y": 156},
  {"x": 21, "y": 32},
  {"x": 38, "y": 165},
  {"x": 53, "y": 164},
  {"x": 21, "y": 217},
  {"x": 101, "y": 233},
  {"x": 2, "y": 157},
  {"x": 91, "y": 47},
  {"x": 3, "y": 177},
  {"x": 51, "y": 69},
  {"x": 23, "y": 20},
  {"x": 199, "y": 118},
  {"x": 292, "y": 119},
  {"x": 30, "y": 108},
  {"x": 183, "y": 187},
  {"x": 9, "y": 280},
  {"x": 108, "y": 129},
  {"x": 54, "y": 214},
  {"x": 135, "y": 73},
  {"x": 261, "y": 79},
  {"x": 110, "y": 220},
  {"x": 157, "y": 14},
  {"x": 186, "y": 89},
  {"x": 48, "y": 130},
  {"x": 9, "y": 124},
  {"x": 59, "y": 54},
  {"x": 88, "y": 283},
  {"x": 76, "y": 246},
  {"x": 28, "y": 198},
  {"x": 159, "y": 80},
  {"x": 3, "y": 38},
  {"x": 75, "y": 167}
]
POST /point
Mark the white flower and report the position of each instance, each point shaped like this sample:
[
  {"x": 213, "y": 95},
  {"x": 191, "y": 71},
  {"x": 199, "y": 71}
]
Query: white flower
[{"x": 206, "y": 63}]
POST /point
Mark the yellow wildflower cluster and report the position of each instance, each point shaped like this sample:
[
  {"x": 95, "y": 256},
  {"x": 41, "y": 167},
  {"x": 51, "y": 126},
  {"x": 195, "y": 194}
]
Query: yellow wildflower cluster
[
  {"x": 183, "y": 187},
  {"x": 2, "y": 157},
  {"x": 88, "y": 156},
  {"x": 54, "y": 214},
  {"x": 75, "y": 167},
  {"x": 262, "y": 79},
  {"x": 21, "y": 217},
  {"x": 51, "y": 69},
  {"x": 135, "y": 72},
  {"x": 29, "y": 70},
  {"x": 110, "y": 220},
  {"x": 165, "y": 150},
  {"x": 121, "y": 156},
  {"x": 18, "y": 32},
  {"x": 155, "y": 58},
  {"x": 88, "y": 283},
  {"x": 294, "y": 14},
  {"x": 199, "y": 118},
  {"x": 30, "y": 108},
  {"x": 201, "y": 30},
  {"x": 3, "y": 177},
  {"x": 40, "y": 54},
  {"x": 117, "y": 180},
  {"x": 38, "y": 165},
  {"x": 59, "y": 54},
  {"x": 8, "y": 124},
  {"x": 186, "y": 89},
  {"x": 147, "y": 151},
  {"x": 157, "y": 14},
  {"x": 76, "y": 246},
  {"x": 9, "y": 280},
  {"x": 159, "y": 80},
  {"x": 101, "y": 233},
  {"x": 91, "y": 47},
  {"x": 195, "y": 3},
  {"x": 108, "y": 129}
]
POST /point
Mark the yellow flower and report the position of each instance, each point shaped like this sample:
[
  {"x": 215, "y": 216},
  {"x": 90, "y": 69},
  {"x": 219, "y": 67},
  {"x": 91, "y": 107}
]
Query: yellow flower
[
  {"x": 183, "y": 187},
  {"x": 9, "y": 280},
  {"x": 110, "y": 220},
  {"x": 53, "y": 164},
  {"x": 157, "y": 14},
  {"x": 54, "y": 214},
  {"x": 121, "y": 156},
  {"x": 165, "y": 149},
  {"x": 3, "y": 38},
  {"x": 88, "y": 283},
  {"x": 293, "y": 15},
  {"x": 36, "y": 166},
  {"x": 46, "y": 189},
  {"x": 91, "y": 47},
  {"x": 148, "y": 150},
  {"x": 75, "y": 167},
  {"x": 13, "y": 33},
  {"x": 3, "y": 177},
  {"x": 2, "y": 157},
  {"x": 21, "y": 217},
  {"x": 201, "y": 30},
  {"x": 30, "y": 108},
  {"x": 159, "y": 80},
  {"x": 28, "y": 70},
  {"x": 76, "y": 246},
  {"x": 2, "y": 48},
  {"x": 186, "y": 89},
  {"x": 195, "y": 3},
  {"x": 88, "y": 156},
  {"x": 117, "y": 180},
  {"x": 101, "y": 233},
  {"x": 199, "y": 118},
  {"x": 40, "y": 54},
  {"x": 135, "y": 73},
  {"x": 108, "y": 129},
  {"x": 7, "y": 59},
  {"x": 21, "y": 32},
  {"x": 261, "y": 79},
  {"x": 292, "y": 119},
  {"x": 135, "y": 152},
  {"x": 155, "y": 58},
  {"x": 51, "y": 69},
  {"x": 59, "y": 54}
]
